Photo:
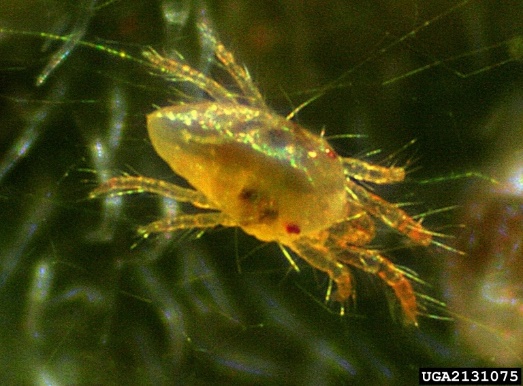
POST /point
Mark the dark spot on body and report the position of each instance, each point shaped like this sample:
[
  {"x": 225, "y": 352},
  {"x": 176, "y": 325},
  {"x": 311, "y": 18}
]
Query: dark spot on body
[
  {"x": 278, "y": 138},
  {"x": 249, "y": 194},
  {"x": 268, "y": 214}
]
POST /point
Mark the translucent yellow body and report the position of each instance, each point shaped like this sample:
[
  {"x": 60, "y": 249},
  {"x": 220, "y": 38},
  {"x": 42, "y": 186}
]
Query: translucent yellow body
[
  {"x": 272, "y": 177},
  {"x": 253, "y": 169}
]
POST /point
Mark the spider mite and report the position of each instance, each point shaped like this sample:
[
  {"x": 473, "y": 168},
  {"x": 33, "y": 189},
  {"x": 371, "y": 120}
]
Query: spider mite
[{"x": 253, "y": 169}]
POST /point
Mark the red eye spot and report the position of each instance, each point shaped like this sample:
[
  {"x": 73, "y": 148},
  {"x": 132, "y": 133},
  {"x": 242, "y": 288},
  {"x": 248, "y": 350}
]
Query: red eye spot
[
  {"x": 331, "y": 153},
  {"x": 293, "y": 228}
]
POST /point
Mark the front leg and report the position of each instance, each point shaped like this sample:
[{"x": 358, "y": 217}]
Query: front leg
[
  {"x": 119, "y": 186},
  {"x": 186, "y": 221}
]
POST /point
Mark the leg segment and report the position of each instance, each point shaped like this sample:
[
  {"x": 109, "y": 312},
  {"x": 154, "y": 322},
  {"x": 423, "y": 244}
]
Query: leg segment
[
  {"x": 373, "y": 263},
  {"x": 238, "y": 73},
  {"x": 390, "y": 214},
  {"x": 185, "y": 221},
  {"x": 364, "y": 171},
  {"x": 120, "y": 186},
  {"x": 182, "y": 72},
  {"x": 321, "y": 258}
]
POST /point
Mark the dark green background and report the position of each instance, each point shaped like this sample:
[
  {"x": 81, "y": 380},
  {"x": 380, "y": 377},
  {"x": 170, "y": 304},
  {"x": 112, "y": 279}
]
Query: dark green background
[{"x": 178, "y": 311}]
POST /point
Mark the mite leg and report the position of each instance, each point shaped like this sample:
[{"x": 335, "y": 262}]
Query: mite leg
[
  {"x": 364, "y": 171},
  {"x": 390, "y": 214},
  {"x": 321, "y": 258},
  {"x": 373, "y": 263},
  {"x": 182, "y": 72},
  {"x": 186, "y": 221},
  {"x": 238, "y": 73},
  {"x": 119, "y": 186}
]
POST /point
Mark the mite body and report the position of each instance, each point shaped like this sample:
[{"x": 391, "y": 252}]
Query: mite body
[
  {"x": 253, "y": 169},
  {"x": 270, "y": 176}
]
